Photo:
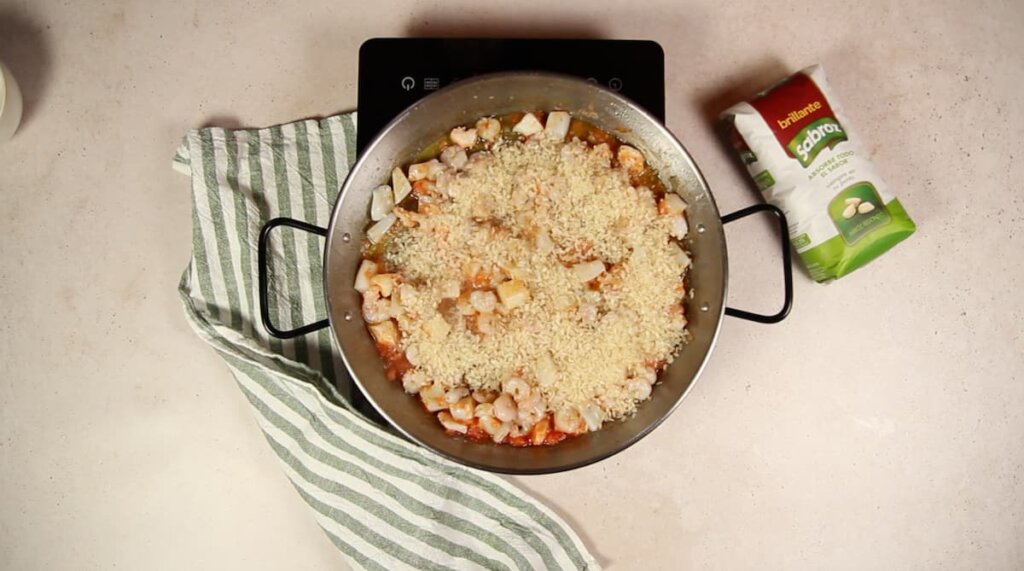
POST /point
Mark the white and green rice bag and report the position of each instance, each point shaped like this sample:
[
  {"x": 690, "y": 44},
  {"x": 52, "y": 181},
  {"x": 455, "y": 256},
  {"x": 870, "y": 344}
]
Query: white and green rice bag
[{"x": 797, "y": 145}]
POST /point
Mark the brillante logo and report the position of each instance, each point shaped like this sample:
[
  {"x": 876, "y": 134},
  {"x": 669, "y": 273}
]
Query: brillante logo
[
  {"x": 821, "y": 134},
  {"x": 798, "y": 114}
]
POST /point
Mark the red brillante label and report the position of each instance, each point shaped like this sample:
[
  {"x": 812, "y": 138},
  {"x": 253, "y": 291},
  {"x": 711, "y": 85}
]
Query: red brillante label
[{"x": 791, "y": 107}]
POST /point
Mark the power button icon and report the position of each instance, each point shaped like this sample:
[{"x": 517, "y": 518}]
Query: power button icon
[{"x": 408, "y": 83}]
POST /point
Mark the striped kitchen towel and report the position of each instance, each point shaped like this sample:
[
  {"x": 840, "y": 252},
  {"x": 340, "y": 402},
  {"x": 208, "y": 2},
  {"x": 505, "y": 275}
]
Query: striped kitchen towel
[{"x": 384, "y": 502}]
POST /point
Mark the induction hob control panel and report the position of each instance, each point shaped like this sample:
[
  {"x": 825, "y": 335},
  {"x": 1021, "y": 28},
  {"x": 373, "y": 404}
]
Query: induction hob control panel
[{"x": 396, "y": 72}]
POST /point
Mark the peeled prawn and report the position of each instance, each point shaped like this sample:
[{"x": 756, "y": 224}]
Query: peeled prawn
[
  {"x": 497, "y": 429},
  {"x": 414, "y": 380},
  {"x": 449, "y": 422},
  {"x": 463, "y": 409},
  {"x": 631, "y": 159},
  {"x": 463, "y": 137},
  {"x": 505, "y": 408},
  {"x": 376, "y": 308},
  {"x": 433, "y": 398},
  {"x": 488, "y": 129},
  {"x": 517, "y": 388},
  {"x": 569, "y": 421},
  {"x": 531, "y": 411}
]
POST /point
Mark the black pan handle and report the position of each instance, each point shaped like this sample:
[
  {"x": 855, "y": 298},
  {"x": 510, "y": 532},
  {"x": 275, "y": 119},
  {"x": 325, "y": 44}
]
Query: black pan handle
[
  {"x": 787, "y": 268},
  {"x": 264, "y": 246}
]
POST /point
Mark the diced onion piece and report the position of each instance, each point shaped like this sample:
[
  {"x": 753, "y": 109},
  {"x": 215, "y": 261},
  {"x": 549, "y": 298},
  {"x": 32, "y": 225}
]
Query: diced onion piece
[
  {"x": 528, "y": 125},
  {"x": 463, "y": 137},
  {"x": 592, "y": 416},
  {"x": 382, "y": 203},
  {"x": 483, "y": 301},
  {"x": 680, "y": 255},
  {"x": 449, "y": 423},
  {"x": 437, "y": 328},
  {"x": 587, "y": 271},
  {"x": 385, "y": 333},
  {"x": 488, "y": 129},
  {"x": 679, "y": 226},
  {"x": 401, "y": 184},
  {"x": 672, "y": 204},
  {"x": 513, "y": 294},
  {"x": 366, "y": 270},
  {"x": 557, "y": 125},
  {"x": 379, "y": 228}
]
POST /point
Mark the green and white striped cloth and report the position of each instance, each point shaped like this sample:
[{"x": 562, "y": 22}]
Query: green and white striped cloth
[{"x": 384, "y": 502}]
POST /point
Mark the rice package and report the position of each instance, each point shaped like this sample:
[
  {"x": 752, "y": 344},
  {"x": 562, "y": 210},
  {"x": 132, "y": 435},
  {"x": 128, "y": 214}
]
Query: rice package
[{"x": 798, "y": 147}]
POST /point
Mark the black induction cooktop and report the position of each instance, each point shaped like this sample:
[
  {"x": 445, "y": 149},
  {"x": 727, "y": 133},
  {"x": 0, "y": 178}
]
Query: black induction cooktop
[{"x": 395, "y": 72}]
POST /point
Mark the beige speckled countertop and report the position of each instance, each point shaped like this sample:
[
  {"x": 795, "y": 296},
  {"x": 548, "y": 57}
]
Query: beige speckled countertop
[{"x": 880, "y": 427}]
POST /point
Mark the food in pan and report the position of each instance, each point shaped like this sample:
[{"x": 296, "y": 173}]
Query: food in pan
[{"x": 525, "y": 278}]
